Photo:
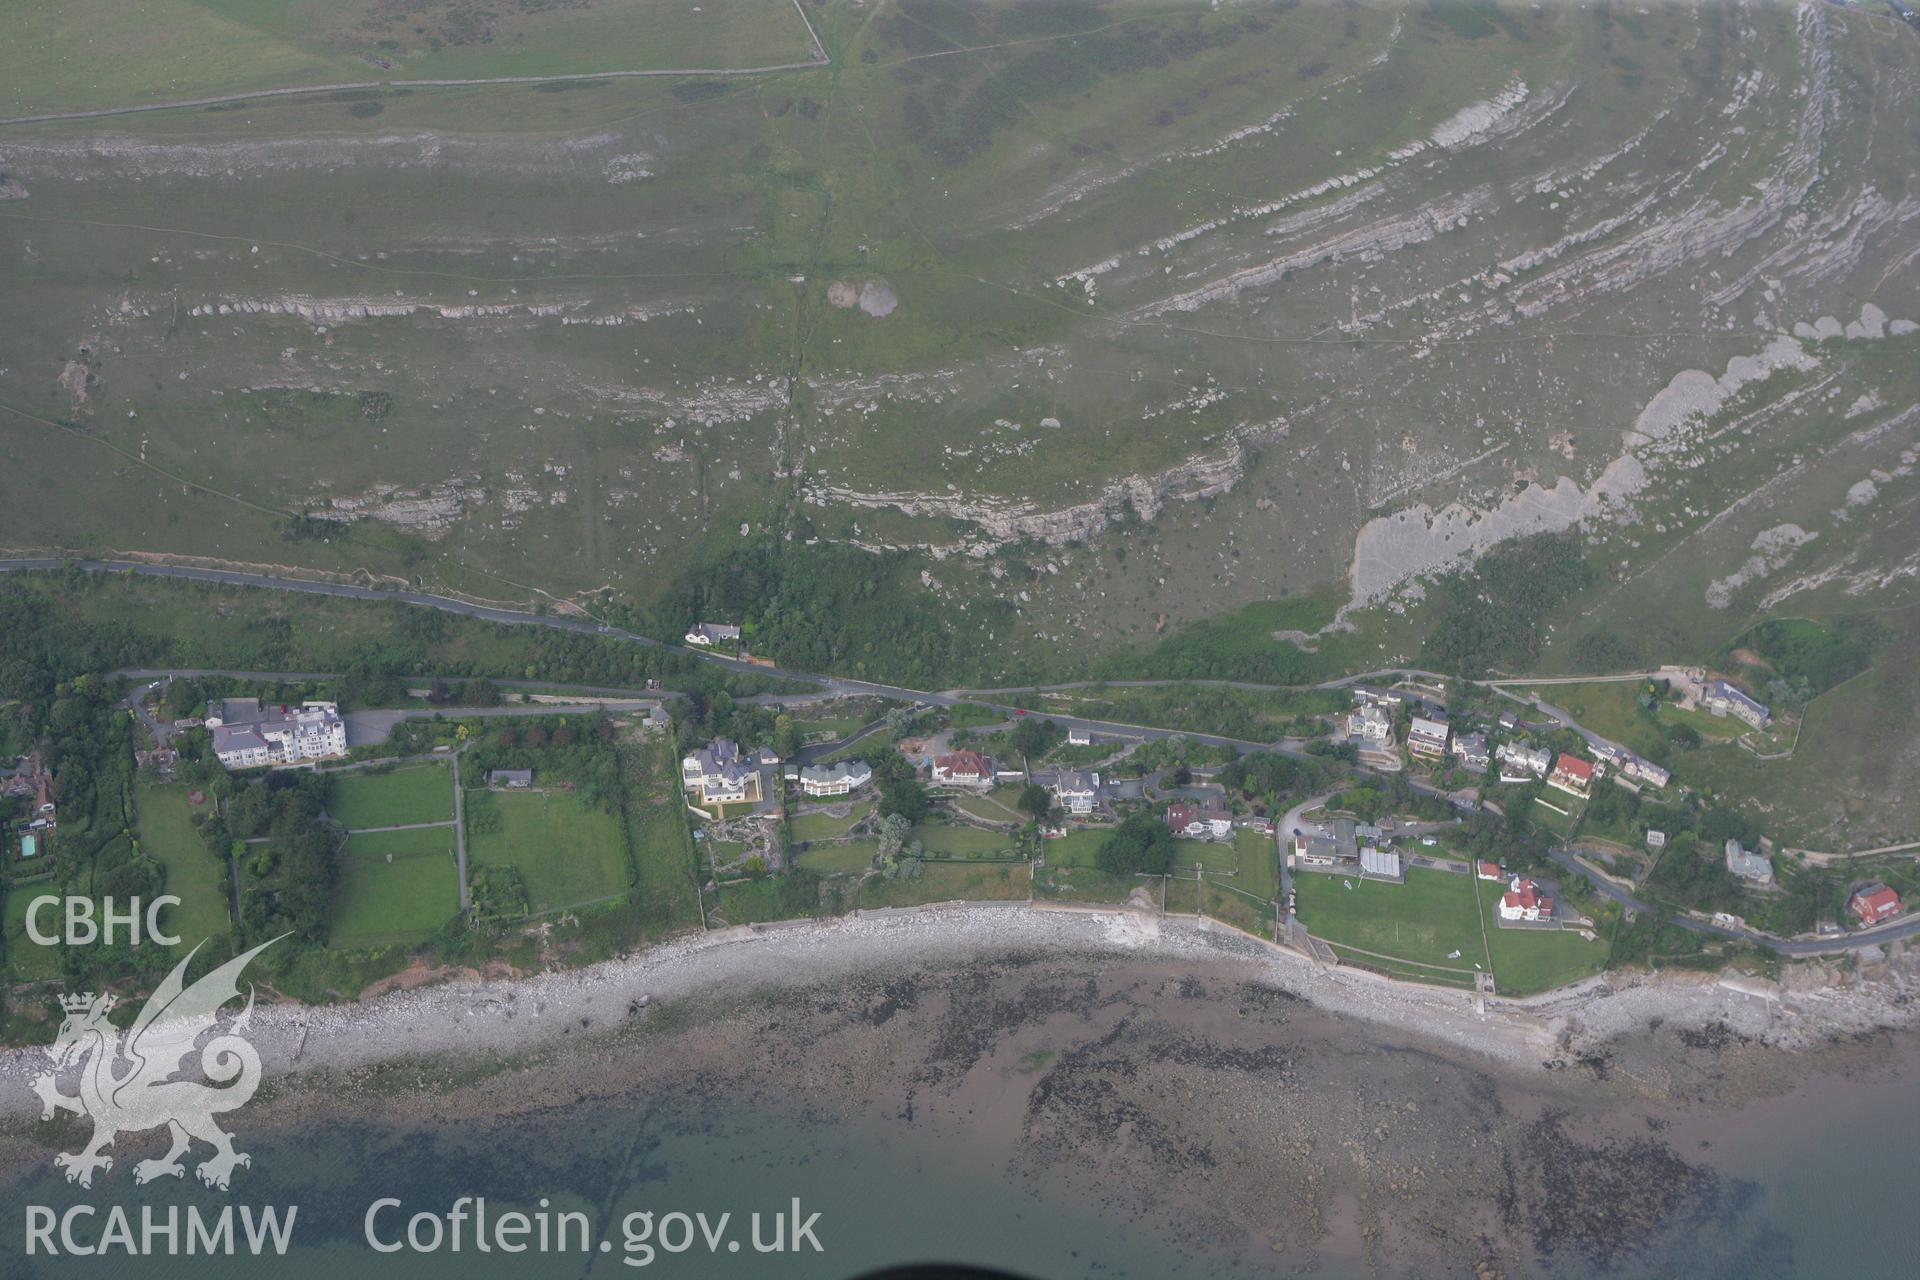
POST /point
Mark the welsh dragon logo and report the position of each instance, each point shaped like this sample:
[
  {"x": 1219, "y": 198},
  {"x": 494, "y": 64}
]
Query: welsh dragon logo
[{"x": 127, "y": 1079}]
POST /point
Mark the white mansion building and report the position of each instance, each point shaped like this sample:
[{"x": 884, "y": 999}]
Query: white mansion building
[{"x": 247, "y": 736}]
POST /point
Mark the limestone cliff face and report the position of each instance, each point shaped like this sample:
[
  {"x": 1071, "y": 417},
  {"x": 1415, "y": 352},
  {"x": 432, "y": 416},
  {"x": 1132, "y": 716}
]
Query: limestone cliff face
[
  {"x": 340, "y": 310},
  {"x": 1003, "y": 523}
]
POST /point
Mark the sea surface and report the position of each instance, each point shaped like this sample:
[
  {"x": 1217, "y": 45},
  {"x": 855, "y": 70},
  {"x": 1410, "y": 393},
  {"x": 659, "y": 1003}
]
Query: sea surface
[{"x": 1820, "y": 1181}]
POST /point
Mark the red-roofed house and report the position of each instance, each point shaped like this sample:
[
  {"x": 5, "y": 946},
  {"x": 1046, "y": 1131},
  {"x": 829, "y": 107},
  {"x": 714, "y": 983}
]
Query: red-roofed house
[
  {"x": 1487, "y": 871},
  {"x": 1874, "y": 903},
  {"x": 1184, "y": 820},
  {"x": 1571, "y": 775},
  {"x": 1523, "y": 900},
  {"x": 962, "y": 769}
]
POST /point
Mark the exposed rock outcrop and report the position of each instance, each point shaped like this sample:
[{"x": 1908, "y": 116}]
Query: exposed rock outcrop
[{"x": 1004, "y": 523}]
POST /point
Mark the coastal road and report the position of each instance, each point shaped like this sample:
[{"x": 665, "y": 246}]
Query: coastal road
[
  {"x": 833, "y": 685},
  {"x": 842, "y": 686},
  {"x": 1893, "y": 931}
]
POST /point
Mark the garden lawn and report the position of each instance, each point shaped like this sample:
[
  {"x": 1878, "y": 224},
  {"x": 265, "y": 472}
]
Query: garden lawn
[
  {"x": 1259, "y": 858},
  {"x": 1561, "y": 824},
  {"x": 1217, "y": 857},
  {"x": 1433, "y": 913},
  {"x": 942, "y": 881},
  {"x": 945, "y": 840},
  {"x": 168, "y": 836},
  {"x": 1077, "y": 848},
  {"x": 839, "y": 859},
  {"x": 403, "y": 900},
  {"x": 1000, "y": 805},
  {"x": 568, "y": 854},
  {"x": 415, "y": 793},
  {"x": 823, "y": 826},
  {"x": 1526, "y": 961},
  {"x": 837, "y": 726}
]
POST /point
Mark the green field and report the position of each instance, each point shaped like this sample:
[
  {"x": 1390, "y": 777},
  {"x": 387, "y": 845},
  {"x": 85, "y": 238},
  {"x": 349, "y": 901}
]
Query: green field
[
  {"x": 395, "y": 886},
  {"x": 194, "y": 875},
  {"x": 1432, "y": 914},
  {"x": 823, "y": 826},
  {"x": 411, "y": 793},
  {"x": 567, "y": 853},
  {"x": 1257, "y": 715},
  {"x": 27, "y": 960},
  {"x": 1182, "y": 896},
  {"x": 664, "y": 888},
  {"x": 96, "y": 53}
]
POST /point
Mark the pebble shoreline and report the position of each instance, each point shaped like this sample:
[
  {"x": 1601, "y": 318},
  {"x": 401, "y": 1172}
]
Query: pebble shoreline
[{"x": 504, "y": 1016}]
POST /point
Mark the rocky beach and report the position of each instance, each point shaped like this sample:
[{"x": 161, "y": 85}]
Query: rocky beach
[{"x": 1219, "y": 1098}]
